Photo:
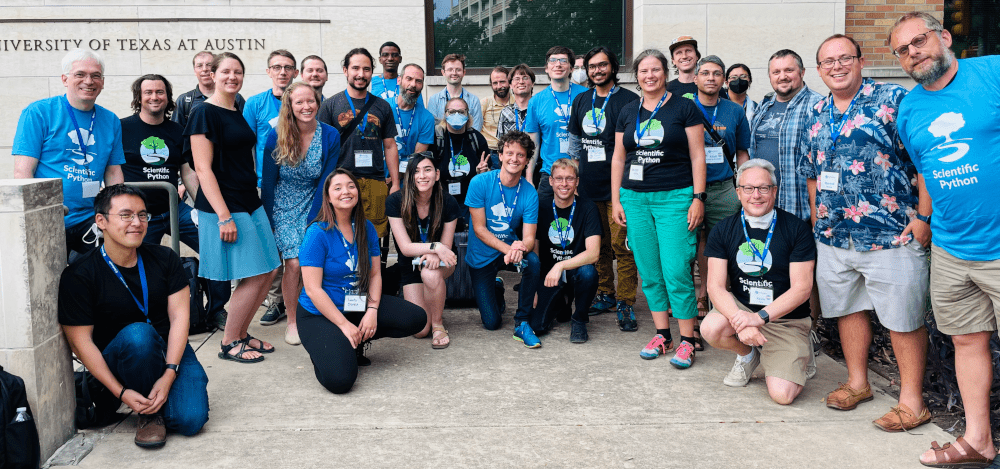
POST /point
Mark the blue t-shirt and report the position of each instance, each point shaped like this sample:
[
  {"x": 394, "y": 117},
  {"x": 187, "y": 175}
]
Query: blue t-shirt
[
  {"x": 261, "y": 112},
  {"x": 325, "y": 248},
  {"x": 730, "y": 124},
  {"x": 46, "y": 132},
  {"x": 549, "y": 120},
  {"x": 412, "y": 127},
  {"x": 952, "y": 137},
  {"x": 501, "y": 218}
]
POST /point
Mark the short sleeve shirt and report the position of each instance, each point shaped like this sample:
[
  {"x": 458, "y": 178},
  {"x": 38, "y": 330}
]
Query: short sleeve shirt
[
  {"x": 768, "y": 132},
  {"x": 548, "y": 116},
  {"x": 449, "y": 213},
  {"x": 457, "y": 160},
  {"x": 412, "y": 127},
  {"x": 593, "y": 121},
  {"x": 517, "y": 205},
  {"x": 324, "y": 248},
  {"x": 152, "y": 154},
  {"x": 563, "y": 235},
  {"x": 232, "y": 156},
  {"x": 662, "y": 154},
  {"x": 261, "y": 112},
  {"x": 367, "y": 138},
  {"x": 730, "y": 123}
]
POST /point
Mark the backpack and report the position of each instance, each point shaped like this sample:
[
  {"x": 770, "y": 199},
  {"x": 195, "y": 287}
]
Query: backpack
[
  {"x": 439, "y": 133},
  {"x": 19, "y": 444},
  {"x": 199, "y": 313}
]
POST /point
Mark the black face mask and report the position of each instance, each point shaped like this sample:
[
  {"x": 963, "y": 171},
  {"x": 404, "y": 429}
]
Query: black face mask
[{"x": 739, "y": 86}]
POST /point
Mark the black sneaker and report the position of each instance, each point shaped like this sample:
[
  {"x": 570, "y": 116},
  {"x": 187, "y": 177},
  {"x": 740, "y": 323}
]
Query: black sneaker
[
  {"x": 360, "y": 354},
  {"x": 274, "y": 313},
  {"x": 603, "y": 303},
  {"x": 578, "y": 333},
  {"x": 626, "y": 318}
]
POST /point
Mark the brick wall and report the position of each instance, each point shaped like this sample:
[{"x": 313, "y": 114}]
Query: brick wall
[{"x": 868, "y": 20}]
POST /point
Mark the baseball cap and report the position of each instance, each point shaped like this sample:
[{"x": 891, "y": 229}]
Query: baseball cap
[{"x": 680, "y": 41}]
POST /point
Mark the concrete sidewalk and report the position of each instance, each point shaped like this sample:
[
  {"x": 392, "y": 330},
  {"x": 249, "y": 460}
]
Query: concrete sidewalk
[{"x": 487, "y": 401}]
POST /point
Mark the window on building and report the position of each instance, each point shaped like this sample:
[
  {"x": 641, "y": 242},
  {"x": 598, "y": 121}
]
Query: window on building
[
  {"x": 509, "y": 32},
  {"x": 974, "y": 26}
]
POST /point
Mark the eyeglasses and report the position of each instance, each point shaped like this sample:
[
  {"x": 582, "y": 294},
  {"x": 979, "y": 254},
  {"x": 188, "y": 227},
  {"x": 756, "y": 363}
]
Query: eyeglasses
[
  {"x": 917, "y": 42},
  {"x": 561, "y": 60},
  {"x": 560, "y": 180},
  {"x": 93, "y": 76},
  {"x": 600, "y": 66},
  {"x": 845, "y": 61},
  {"x": 739, "y": 77},
  {"x": 764, "y": 190},
  {"x": 129, "y": 216},
  {"x": 518, "y": 78},
  {"x": 279, "y": 68},
  {"x": 452, "y": 112},
  {"x": 386, "y": 55},
  {"x": 713, "y": 73}
]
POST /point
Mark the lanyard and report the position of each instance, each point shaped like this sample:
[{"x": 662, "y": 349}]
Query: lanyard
[
  {"x": 451, "y": 147},
  {"x": 447, "y": 97},
  {"x": 640, "y": 131},
  {"x": 347, "y": 247},
  {"x": 767, "y": 244},
  {"x": 569, "y": 224},
  {"x": 144, "y": 306},
  {"x": 593, "y": 110},
  {"x": 424, "y": 229},
  {"x": 395, "y": 83},
  {"x": 711, "y": 122},
  {"x": 835, "y": 129},
  {"x": 565, "y": 116},
  {"x": 354, "y": 112},
  {"x": 503, "y": 199},
  {"x": 399, "y": 118},
  {"x": 76, "y": 127},
  {"x": 517, "y": 120}
]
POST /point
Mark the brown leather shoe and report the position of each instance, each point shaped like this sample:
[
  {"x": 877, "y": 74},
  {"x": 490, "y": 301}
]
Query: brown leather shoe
[
  {"x": 151, "y": 433},
  {"x": 847, "y": 398},
  {"x": 902, "y": 418}
]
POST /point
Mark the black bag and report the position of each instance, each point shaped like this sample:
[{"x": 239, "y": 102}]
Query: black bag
[
  {"x": 459, "y": 285},
  {"x": 95, "y": 406},
  {"x": 199, "y": 313},
  {"x": 19, "y": 445}
]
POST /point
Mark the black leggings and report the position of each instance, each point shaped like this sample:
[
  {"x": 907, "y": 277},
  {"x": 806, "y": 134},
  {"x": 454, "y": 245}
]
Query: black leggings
[{"x": 331, "y": 353}]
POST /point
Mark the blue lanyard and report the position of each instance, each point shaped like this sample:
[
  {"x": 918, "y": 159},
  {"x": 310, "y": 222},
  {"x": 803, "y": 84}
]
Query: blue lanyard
[
  {"x": 593, "y": 109},
  {"x": 569, "y": 224},
  {"x": 565, "y": 117},
  {"x": 517, "y": 120},
  {"x": 354, "y": 112},
  {"x": 835, "y": 129},
  {"x": 451, "y": 147},
  {"x": 767, "y": 244},
  {"x": 399, "y": 116},
  {"x": 503, "y": 199},
  {"x": 711, "y": 123},
  {"x": 424, "y": 229},
  {"x": 639, "y": 132},
  {"x": 144, "y": 306},
  {"x": 347, "y": 246},
  {"x": 76, "y": 127},
  {"x": 395, "y": 83},
  {"x": 447, "y": 97}
]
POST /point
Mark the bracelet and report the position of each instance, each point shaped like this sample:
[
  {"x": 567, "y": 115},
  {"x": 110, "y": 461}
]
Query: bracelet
[
  {"x": 223, "y": 222},
  {"x": 371, "y": 307},
  {"x": 122, "y": 393}
]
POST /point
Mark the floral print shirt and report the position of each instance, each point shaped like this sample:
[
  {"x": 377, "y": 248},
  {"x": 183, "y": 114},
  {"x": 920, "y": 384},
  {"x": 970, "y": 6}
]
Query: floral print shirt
[{"x": 871, "y": 194}]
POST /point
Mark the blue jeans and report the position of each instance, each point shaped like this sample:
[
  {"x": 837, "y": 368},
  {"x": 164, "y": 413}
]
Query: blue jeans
[
  {"x": 582, "y": 285},
  {"x": 490, "y": 299},
  {"x": 136, "y": 357},
  {"x": 159, "y": 225}
]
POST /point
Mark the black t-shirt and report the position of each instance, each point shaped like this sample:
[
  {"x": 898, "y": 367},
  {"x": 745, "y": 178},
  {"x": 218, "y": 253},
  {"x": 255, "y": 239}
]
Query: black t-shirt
[
  {"x": 152, "y": 154},
  {"x": 233, "y": 156},
  {"x": 586, "y": 223},
  {"x": 393, "y": 209},
  {"x": 687, "y": 90},
  {"x": 90, "y": 293},
  {"x": 595, "y": 174},
  {"x": 467, "y": 158},
  {"x": 664, "y": 157},
  {"x": 380, "y": 125},
  {"x": 792, "y": 242}
]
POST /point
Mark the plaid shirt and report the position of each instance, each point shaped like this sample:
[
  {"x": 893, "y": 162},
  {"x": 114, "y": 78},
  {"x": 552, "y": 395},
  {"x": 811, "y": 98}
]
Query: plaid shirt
[
  {"x": 793, "y": 195},
  {"x": 508, "y": 120}
]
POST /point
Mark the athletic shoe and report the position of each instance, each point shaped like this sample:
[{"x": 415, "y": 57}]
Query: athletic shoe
[
  {"x": 626, "y": 318},
  {"x": 275, "y": 312},
  {"x": 359, "y": 354},
  {"x": 740, "y": 374},
  {"x": 658, "y": 345},
  {"x": 603, "y": 303},
  {"x": 578, "y": 333},
  {"x": 524, "y": 334},
  {"x": 684, "y": 357}
]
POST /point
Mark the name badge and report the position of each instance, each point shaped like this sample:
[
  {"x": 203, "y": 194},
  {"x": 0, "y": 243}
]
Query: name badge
[
  {"x": 761, "y": 296},
  {"x": 564, "y": 145},
  {"x": 403, "y": 165},
  {"x": 829, "y": 181},
  {"x": 90, "y": 189},
  {"x": 454, "y": 188},
  {"x": 635, "y": 172},
  {"x": 714, "y": 155},
  {"x": 596, "y": 154},
  {"x": 363, "y": 159},
  {"x": 355, "y": 303}
]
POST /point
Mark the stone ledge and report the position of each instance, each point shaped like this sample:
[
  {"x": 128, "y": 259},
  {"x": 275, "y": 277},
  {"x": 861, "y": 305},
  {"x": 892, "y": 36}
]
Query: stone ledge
[{"x": 23, "y": 195}]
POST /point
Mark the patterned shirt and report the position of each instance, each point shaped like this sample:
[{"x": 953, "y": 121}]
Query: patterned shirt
[
  {"x": 509, "y": 120},
  {"x": 871, "y": 193},
  {"x": 793, "y": 195}
]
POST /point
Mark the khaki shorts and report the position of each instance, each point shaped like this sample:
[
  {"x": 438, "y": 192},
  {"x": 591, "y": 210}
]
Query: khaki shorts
[
  {"x": 786, "y": 352},
  {"x": 965, "y": 295},
  {"x": 373, "y": 194}
]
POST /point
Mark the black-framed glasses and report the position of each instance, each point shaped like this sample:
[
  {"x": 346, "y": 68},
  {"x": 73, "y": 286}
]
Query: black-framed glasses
[
  {"x": 129, "y": 216},
  {"x": 764, "y": 190},
  {"x": 561, "y": 60},
  {"x": 452, "y": 112},
  {"x": 601, "y": 66},
  {"x": 279, "y": 68},
  {"x": 917, "y": 42},
  {"x": 845, "y": 61}
]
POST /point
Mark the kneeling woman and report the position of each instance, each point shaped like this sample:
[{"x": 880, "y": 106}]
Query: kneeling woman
[
  {"x": 423, "y": 220},
  {"x": 342, "y": 307}
]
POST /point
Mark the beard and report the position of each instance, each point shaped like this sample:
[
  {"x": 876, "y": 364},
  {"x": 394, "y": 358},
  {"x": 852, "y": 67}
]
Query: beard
[
  {"x": 938, "y": 68},
  {"x": 362, "y": 88},
  {"x": 501, "y": 93},
  {"x": 409, "y": 97}
]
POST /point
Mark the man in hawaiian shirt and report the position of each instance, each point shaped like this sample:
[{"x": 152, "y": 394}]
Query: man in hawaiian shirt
[{"x": 871, "y": 245}]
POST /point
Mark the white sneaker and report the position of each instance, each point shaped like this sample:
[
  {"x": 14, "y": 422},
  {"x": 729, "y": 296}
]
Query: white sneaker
[{"x": 740, "y": 374}]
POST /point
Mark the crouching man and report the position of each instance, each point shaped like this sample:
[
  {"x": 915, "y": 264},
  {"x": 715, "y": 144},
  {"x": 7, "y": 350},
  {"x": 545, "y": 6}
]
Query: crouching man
[
  {"x": 125, "y": 311},
  {"x": 766, "y": 256}
]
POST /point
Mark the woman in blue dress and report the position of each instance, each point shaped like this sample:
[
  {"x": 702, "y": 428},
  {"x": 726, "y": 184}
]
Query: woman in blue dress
[{"x": 299, "y": 154}]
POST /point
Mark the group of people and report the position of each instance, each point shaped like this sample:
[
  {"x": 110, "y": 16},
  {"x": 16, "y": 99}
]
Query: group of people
[{"x": 800, "y": 195}]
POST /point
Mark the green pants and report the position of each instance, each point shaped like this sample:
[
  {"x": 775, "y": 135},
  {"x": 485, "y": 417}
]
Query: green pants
[{"x": 663, "y": 248}]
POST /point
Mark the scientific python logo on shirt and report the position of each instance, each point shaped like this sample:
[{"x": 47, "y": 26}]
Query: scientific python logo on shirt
[
  {"x": 945, "y": 125},
  {"x": 460, "y": 169},
  {"x": 561, "y": 224},
  {"x": 751, "y": 264},
  {"x": 154, "y": 151},
  {"x": 652, "y": 136},
  {"x": 497, "y": 222},
  {"x": 588, "y": 122},
  {"x": 78, "y": 151}
]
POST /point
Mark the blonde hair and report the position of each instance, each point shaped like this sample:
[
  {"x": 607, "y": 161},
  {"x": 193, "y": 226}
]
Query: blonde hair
[
  {"x": 566, "y": 163},
  {"x": 288, "y": 151}
]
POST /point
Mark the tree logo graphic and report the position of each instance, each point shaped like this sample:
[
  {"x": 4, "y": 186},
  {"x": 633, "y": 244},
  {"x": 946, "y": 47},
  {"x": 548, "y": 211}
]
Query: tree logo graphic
[
  {"x": 588, "y": 122},
  {"x": 750, "y": 263},
  {"x": 563, "y": 225},
  {"x": 945, "y": 125},
  {"x": 154, "y": 151},
  {"x": 653, "y": 135},
  {"x": 460, "y": 169}
]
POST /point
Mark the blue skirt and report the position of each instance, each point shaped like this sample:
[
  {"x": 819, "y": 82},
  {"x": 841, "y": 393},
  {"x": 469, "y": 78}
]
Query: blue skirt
[{"x": 252, "y": 254}]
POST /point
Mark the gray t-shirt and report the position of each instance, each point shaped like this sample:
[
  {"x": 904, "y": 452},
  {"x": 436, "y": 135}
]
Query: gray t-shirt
[
  {"x": 766, "y": 135},
  {"x": 367, "y": 136}
]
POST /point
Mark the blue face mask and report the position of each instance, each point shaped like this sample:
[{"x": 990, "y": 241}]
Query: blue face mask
[{"x": 457, "y": 121}]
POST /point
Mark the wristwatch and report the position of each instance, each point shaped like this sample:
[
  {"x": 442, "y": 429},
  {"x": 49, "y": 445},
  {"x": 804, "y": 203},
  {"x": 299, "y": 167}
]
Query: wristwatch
[
  {"x": 924, "y": 218},
  {"x": 702, "y": 196},
  {"x": 434, "y": 245},
  {"x": 176, "y": 368},
  {"x": 763, "y": 315}
]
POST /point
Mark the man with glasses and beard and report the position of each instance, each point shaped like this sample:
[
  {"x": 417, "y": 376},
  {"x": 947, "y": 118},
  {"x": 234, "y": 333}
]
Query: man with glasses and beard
[{"x": 414, "y": 124}]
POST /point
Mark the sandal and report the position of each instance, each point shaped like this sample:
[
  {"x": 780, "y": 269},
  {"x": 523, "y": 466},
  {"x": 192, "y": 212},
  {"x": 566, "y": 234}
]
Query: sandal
[
  {"x": 238, "y": 356},
  {"x": 260, "y": 349},
  {"x": 439, "y": 334},
  {"x": 949, "y": 456},
  {"x": 699, "y": 344}
]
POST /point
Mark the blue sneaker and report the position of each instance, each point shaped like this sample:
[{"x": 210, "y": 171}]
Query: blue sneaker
[
  {"x": 684, "y": 357},
  {"x": 603, "y": 303},
  {"x": 626, "y": 318},
  {"x": 656, "y": 347},
  {"x": 524, "y": 334}
]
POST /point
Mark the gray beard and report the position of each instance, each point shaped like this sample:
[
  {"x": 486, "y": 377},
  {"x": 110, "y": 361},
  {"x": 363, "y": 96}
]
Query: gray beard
[
  {"x": 409, "y": 99},
  {"x": 941, "y": 65}
]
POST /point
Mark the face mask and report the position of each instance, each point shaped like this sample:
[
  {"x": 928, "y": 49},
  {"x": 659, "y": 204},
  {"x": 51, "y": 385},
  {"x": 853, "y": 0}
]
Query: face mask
[
  {"x": 579, "y": 76},
  {"x": 739, "y": 86},
  {"x": 457, "y": 121}
]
